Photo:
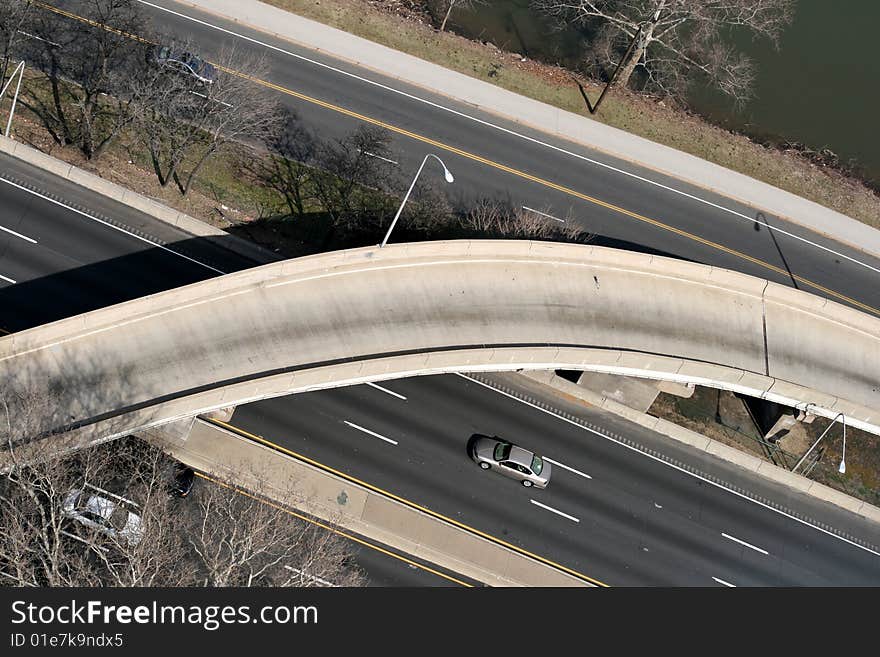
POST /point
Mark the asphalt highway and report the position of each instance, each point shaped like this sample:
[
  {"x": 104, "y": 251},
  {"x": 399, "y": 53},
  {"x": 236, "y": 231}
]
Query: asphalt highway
[
  {"x": 605, "y": 196},
  {"x": 637, "y": 523},
  {"x": 610, "y": 511},
  {"x": 65, "y": 250}
]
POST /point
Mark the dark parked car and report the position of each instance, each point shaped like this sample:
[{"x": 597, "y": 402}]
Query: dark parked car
[
  {"x": 186, "y": 63},
  {"x": 184, "y": 477},
  {"x": 511, "y": 461}
]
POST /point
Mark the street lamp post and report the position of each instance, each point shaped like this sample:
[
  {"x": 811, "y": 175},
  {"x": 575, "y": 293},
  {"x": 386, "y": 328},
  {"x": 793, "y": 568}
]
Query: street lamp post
[
  {"x": 446, "y": 174},
  {"x": 842, "y": 468},
  {"x": 19, "y": 71}
]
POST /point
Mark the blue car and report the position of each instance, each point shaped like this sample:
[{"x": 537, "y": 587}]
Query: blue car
[{"x": 186, "y": 63}]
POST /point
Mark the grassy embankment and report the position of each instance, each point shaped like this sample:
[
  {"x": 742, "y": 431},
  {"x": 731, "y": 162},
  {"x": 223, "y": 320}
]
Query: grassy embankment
[{"x": 642, "y": 116}]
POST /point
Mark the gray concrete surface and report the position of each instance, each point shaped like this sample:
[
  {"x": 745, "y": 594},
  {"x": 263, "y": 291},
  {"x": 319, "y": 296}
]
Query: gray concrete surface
[
  {"x": 373, "y": 314},
  {"x": 635, "y": 393},
  {"x": 485, "y": 96}
]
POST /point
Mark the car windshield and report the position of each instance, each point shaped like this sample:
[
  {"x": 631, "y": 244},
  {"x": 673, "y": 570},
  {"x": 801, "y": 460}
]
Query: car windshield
[
  {"x": 502, "y": 451},
  {"x": 537, "y": 465}
]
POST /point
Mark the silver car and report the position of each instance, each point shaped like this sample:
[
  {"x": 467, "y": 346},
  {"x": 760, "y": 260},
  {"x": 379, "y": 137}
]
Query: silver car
[
  {"x": 104, "y": 512},
  {"x": 512, "y": 461}
]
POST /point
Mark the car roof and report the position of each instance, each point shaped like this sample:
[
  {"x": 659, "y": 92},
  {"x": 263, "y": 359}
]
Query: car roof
[
  {"x": 521, "y": 456},
  {"x": 100, "y": 506}
]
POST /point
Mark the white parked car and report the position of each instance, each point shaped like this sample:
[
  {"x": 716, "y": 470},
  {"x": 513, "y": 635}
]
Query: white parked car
[{"x": 105, "y": 512}]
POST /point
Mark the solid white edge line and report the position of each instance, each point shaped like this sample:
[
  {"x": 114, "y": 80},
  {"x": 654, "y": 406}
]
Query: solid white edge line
[
  {"x": 7, "y": 279},
  {"x": 390, "y": 392},
  {"x": 543, "y": 214},
  {"x": 675, "y": 467},
  {"x": 565, "y": 467},
  {"x": 741, "y": 542},
  {"x": 109, "y": 225},
  {"x": 24, "y": 237},
  {"x": 517, "y": 134},
  {"x": 721, "y": 581},
  {"x": 372, "y": 433},
  {"x": 556, "y": 511}
]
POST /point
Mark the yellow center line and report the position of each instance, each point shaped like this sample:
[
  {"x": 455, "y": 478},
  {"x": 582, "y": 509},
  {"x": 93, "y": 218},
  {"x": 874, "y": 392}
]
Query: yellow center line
[
  {"x": 402, "y": 500},
  {"x": 89, "y": 21},
  {"x": 335, "y": 530},
  {"x": 502, "y": 167}
]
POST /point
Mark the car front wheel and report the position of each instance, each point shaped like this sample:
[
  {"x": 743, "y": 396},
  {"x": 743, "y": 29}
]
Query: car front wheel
[
  {"x": 484, "y": 465},
  {"x": 527, "y": 483}
]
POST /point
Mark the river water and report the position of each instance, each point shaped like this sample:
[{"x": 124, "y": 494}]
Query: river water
[{"x": 822, "y": 88}]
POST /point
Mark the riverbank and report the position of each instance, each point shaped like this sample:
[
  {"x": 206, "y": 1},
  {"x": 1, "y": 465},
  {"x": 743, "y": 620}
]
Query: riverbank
[{"x": 399, "y": 25}]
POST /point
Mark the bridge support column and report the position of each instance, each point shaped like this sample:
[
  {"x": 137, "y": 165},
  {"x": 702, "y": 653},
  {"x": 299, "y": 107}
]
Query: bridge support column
[
  {"x": 630, "y": 391},
  {"x": 774, "y": 420}
]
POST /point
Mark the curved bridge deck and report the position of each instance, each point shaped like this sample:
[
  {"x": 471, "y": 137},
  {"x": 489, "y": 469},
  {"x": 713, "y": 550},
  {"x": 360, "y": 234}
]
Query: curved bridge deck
[{"x": 407, "y": 309}]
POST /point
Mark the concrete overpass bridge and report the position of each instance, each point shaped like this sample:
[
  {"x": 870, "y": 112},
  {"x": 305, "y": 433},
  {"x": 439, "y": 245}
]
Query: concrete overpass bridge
[{"x": 372, "y": 314}]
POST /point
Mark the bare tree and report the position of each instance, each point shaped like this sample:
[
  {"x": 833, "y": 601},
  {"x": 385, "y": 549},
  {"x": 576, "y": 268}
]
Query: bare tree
[
  {"x": 675, "y": 40},
  {"x": 87, "y": 69},
  {"x": 27, "y": 412},
  {"x": 494, "y": 220},
  {"x": 445, "y": 7},
  {"x": 354, "y": 177},
  {"x": 241, "y": 539},
  {"x": 217, "y": 536},
  {"x": 38, "y": 545},
  {"x": 288, "y": 167},
  {"x": 184, "y": 123},
  {"x": 15, "y": 16}
]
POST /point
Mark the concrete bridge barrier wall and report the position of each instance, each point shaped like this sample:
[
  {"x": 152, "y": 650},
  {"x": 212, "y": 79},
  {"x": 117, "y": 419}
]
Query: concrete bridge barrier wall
[{"x": 408, "y": 309}]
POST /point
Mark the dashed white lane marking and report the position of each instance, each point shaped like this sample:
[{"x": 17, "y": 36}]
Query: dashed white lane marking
[
  {"x": 386, "y": 390},
  {"x": 556, "y": 511},
  {"x": 543, "y": 214},
  {"x": 565, "y": 467},
  {"x": 748, "y": 545},
  {"x": 7, "y": 279},
  {"x": 721, "y": 581},
  {"x": 24, "y": 237},
  {"x": 309, "y": 576},
  {"x": 513, "y": 133},
  {"x": 673, "y": 466},
  {"x": 109, "y": 225},
  {"x": 372, "y": 433}
]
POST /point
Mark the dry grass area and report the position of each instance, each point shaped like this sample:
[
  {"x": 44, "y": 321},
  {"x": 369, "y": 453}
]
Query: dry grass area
[
  {"x": 397, "y": 25},
  {"x": 722, "y": 416},
  {"x": 221, "y": 196}
]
